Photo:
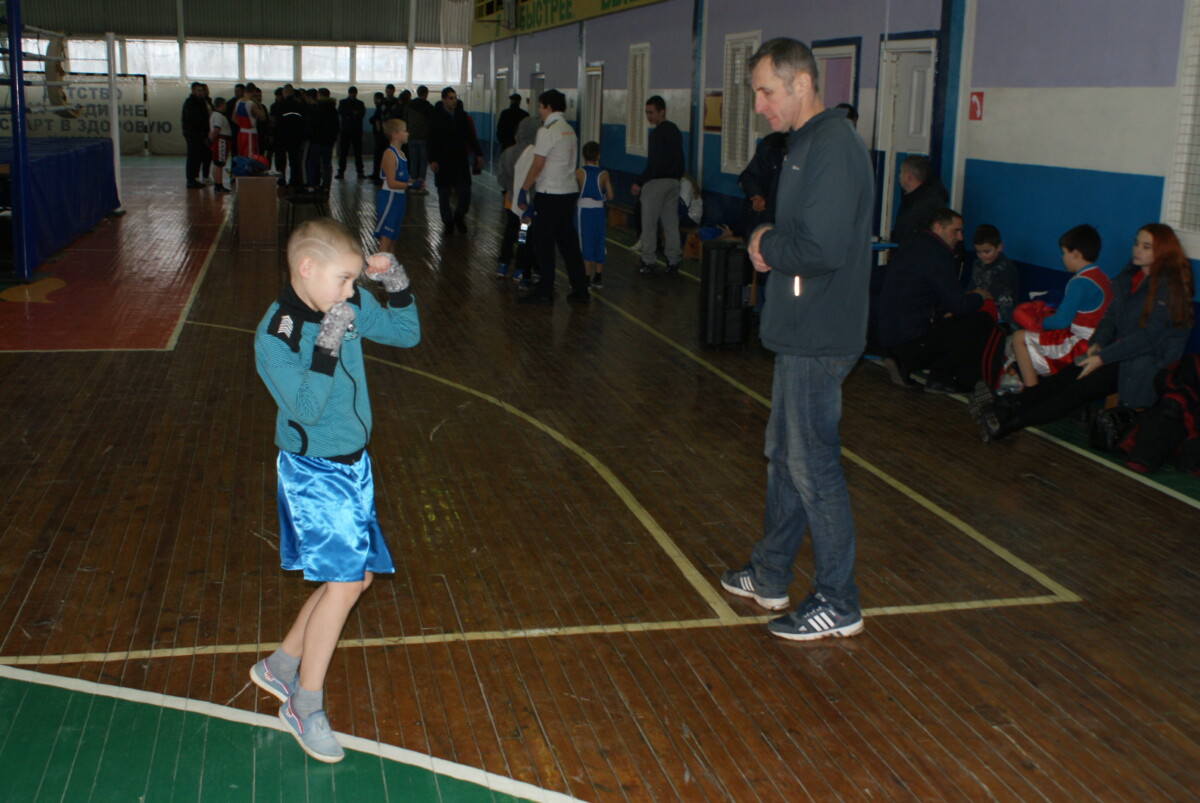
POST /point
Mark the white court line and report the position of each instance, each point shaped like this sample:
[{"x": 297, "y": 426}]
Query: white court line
[{"x": 439, "y": 766}]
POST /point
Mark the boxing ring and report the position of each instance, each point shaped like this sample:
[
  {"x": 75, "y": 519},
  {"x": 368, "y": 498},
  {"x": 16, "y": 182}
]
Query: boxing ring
[
  {"x": 56, "y": 187},
  {"x": 71, "y": 187}
]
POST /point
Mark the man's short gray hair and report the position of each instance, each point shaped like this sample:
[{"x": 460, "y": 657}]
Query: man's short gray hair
[
  {"x": 788, "y": 57},
  {"x": 918, "y": 166}
]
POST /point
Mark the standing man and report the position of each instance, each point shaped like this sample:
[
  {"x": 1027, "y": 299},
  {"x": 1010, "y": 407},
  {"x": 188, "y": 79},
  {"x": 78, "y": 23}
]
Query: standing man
[
  {"x": 194, "y": 123},
  {"x": 351, "y": 112},
  {"x": 658, "y": 188},
  {"x": 510, "y": 118},
  {"x": 553, "y": 172},
  {"x": 452, "y": 137},
  {"x": 815, "y": 320},
  {"x": 419, "y": 116}
]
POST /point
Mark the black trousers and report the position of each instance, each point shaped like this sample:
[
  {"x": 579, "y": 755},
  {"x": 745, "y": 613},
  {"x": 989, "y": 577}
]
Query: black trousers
[
  {"x": 953, "y": 349},
  {"x": 512, "y": 227},
  {"x": 350, "y": 140},
  {"x": 555, "y": 222},
  {"x": 197, "y": 147},
  {"x": 463, "y": 190},
  {"x": 1057, "y": 396}
]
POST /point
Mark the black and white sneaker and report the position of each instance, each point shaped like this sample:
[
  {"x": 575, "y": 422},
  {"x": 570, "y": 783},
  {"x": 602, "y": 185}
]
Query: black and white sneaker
[
  {"x": 816, "y": 618},
  {"x": 646, "y": 269},
  {"x": 981, "y": 404},
  {"x": 740, "y": 583}
]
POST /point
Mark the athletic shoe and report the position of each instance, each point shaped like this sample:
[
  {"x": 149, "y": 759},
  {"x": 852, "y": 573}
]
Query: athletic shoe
[
  {"x": 597, "y": 281},
  {"x": 221, "y": 188},
  {"x": 816, "y": 618},
  {"x": 194, "y": 185},
  {"x": 672, "y": 267},
  {"x": 741, "y": 583},
  {"x": 262, "y": 676},
  {"x": 502, "y": 270},
  {"x": 518, "y": 276},
  {"x": 981, "y": 405},
  {"x": 206, "y": 180},
  {"x": 646, "y": 269},
  {"x": 313, "y": 734},
  {"x": 900, "y": 375}
]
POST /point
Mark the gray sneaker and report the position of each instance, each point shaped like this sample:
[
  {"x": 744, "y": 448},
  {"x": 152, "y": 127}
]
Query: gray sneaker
[
  {"x": 262, "y": 676},
  {"x": 741, "y": 583},
  {"x": 313, "y": 734},
  {"x": 816, "y": 618}
]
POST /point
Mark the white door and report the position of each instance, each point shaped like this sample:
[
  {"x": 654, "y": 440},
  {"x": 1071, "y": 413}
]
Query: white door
[{"x": 905, "y": 110}]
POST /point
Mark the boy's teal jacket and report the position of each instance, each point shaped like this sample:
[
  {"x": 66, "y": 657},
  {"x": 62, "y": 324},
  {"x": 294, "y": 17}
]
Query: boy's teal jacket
[{"x": 324, "y": 410}]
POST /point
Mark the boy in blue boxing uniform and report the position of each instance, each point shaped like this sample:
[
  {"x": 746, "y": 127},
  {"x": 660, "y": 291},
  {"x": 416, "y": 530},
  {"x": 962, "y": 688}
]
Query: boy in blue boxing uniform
[
  {"x": 308, "y": 349},
  {"x": 391, "y": 199},
  {"x": 594, "y": 189}
]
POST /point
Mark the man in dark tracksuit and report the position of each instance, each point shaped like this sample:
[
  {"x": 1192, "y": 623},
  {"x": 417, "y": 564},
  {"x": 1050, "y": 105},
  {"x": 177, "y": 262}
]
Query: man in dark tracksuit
[
  {"x": 815, "y": 320},
  {"x": 195, "y": 133},
  {"x": 453, "y": 151},
  {"x": 351, "y": 112}
]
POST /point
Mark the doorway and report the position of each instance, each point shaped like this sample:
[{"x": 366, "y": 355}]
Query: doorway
[{"x": 905, "y": 113}]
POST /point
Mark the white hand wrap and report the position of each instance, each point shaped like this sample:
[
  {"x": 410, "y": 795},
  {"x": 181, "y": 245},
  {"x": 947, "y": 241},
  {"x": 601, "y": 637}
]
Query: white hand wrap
[
  {"x": 394, "y": 278},
  {"x": 337, "y": 320}
]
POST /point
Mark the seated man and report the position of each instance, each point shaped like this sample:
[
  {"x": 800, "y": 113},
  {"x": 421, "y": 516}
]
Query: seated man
[{"x": 926, "y": 320}]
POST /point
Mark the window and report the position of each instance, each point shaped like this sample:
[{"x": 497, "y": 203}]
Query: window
[
  {"x": 270, "y": 62},
  {"x": 87, "y": 56},
  {"x": 737, "y": 104},
  {"x": 593, "y": 104},
  {"x": 437, "y": 65},
  {"x": 636, "y": 92},
  {"x": 836, "y": 67},
  {"x": 324, "y": 63},
  {"x": 217, "y": 60},
  {"x": 377, "y": 64},
  {"x": 33, "y": 44},
  {"x": 156, "y": 58},
  {"x": 1181, "y": 200}
]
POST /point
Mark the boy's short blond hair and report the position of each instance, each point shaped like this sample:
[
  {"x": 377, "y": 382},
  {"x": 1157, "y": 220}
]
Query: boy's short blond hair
[
  {"x": 393, "y": 125},
  {"x": 323, "y": 240}
]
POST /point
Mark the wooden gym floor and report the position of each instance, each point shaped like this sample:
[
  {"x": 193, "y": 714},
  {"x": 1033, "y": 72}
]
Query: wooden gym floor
[{"x": 561, "y": 487}]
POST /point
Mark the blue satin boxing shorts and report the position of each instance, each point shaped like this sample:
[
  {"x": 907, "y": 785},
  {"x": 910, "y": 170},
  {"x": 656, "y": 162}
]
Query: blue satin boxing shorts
[
  {"x": 389, "y": 213},
  {"x": 327, "y": 522}
]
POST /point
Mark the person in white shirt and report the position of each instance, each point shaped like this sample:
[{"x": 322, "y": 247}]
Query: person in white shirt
[
  {"x": 220, "y": 137},
  {"x": 553, "y": 176}
]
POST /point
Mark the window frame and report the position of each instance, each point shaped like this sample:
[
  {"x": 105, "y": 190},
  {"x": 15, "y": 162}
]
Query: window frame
[
  {"x": 1187, "y": 135},
  {"x": 737, "y": 93},
  {"x": 636, "y": 139}
]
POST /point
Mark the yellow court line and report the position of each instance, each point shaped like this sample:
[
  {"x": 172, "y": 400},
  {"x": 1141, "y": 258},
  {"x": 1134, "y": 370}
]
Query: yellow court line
[
  {"x": 255, "y": 648},
  {"x": 706, "y": 590},
  {"x": 681, "y": 561},
  {"x": 657, "y": 261},
  {"x": 187, "y": 307},
  {"x": 1059, "y": 590}
]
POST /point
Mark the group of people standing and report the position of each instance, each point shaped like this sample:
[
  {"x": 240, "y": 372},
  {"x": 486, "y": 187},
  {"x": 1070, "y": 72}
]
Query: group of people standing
[{"x": 300, "y": 131}]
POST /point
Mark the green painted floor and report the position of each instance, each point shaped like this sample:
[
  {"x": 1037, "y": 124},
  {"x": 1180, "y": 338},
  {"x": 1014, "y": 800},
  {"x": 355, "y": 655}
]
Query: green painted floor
[
  {"x": 1076, "y": 435},
  {"x": 78, "y": 745}
]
